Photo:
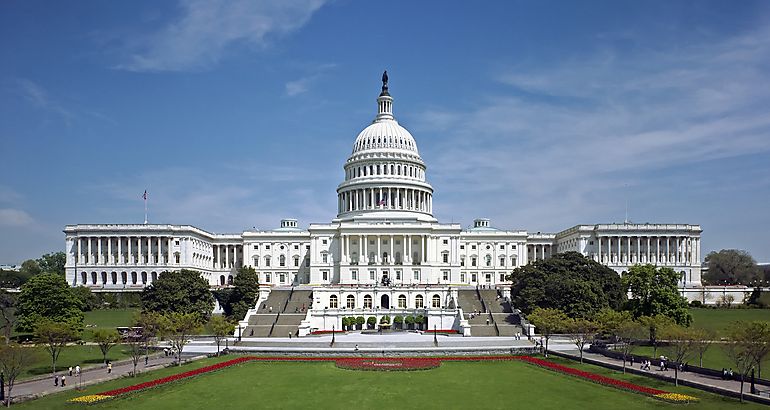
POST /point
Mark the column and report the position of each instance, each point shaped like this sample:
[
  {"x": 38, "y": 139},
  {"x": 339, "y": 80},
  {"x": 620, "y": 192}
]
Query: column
[
  {"x": 227, "y": 256},
  {"x": 119, "y": 261},
  {"x": 378, "y": 256},
  {"x": 599, "y": 238},
  {"x": 90, "y": 252},
  {"x": 392, "y": 257},
  {"x": 668, "y": 249},
  {"x": 109, "y": 250},
  {"x": 168, "y": 251},
  {"x": 80, "y": 250},
  {"x": 130, "y": 257},
  {"x": 99, "y": 259},
  {"x": 628, "y": 250},
  {"x": 647, "y": 253},
  {"x": 407, "y": 250},
  {"x": 160, "y": 251},
  {"x": 425, "y": 248}
]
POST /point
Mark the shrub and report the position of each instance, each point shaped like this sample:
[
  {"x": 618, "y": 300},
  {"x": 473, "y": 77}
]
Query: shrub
[
  {"x": 398, "y": 319},
  {"x": 385, "y": 320},
  {"x": 360, "y": 320},
  {"x": 696, "y": 303},
  {"x": 371, "y": 321}
]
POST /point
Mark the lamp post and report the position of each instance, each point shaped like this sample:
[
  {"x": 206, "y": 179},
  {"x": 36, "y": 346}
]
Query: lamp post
[
  {"x": 239, "y": 332},
  {"x": 332, "y": 343},
  {"x": 435, "y": 339}
]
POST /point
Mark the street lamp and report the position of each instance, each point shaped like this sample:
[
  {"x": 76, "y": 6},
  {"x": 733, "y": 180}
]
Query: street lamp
[
  {"x": 239, "y": 332},
  {"x": 435, "y": 339},
  {"x": 332, "y": 343}
]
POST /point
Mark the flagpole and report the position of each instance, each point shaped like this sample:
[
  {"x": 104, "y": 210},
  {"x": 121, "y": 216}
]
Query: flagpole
[{"x": 145, "y": 207}]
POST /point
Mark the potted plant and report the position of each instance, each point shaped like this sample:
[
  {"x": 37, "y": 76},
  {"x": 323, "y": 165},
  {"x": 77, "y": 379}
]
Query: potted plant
[
  {"x": 410, "y": 322},
  {"x": 360, "y": 322},
  {"x": 371, "y": 322},
  {"x": 398, "y": 321},
  {"x": 345, "y": 323}
]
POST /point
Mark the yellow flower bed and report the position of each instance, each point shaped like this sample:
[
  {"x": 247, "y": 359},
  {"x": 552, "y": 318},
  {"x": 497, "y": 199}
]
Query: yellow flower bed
[
  {"x": 676, "y": 398},
  {"x": 90, "y": 399}
]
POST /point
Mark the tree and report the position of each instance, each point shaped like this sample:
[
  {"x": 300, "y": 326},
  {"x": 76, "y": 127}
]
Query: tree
[
  {"x": 747, "y": 345},
  {"x": 106, "y": 339},
  {"x": 87, "y": 299},
  {"x": 582, "y": 331},
  {"x": 181, "y": 327},
  {"x": 221, "y": 328},
  {"x": 371, "y": 321},
  {"x": 13, "y": 360},
  {"x": 48, "y": 296},
  {"x": 7, "y": 314},
  {"x": 12, "y": 278},
  {"x": 409, "y": 321},
  {"x": 731, "y": 267},
  {"x": 576, "y": 285},
  {"x": 654, "y": 324},
  {"x": 244, "y": 295},
  {"x": 183, "y": 291},
  {"x": 135, "y": 341},
  {"x": 655, "y": 292},
  {"x": 610, "y": 322},
  {"x": 54, "y": 337},
  {"x": 683, "y": 345},
  {"x": 360, "y": 321},
  {"x": 398, "y": 321},
  {"x": 702, "y": 340},
  {"x": 628, "y": 333},
  {"x": 548, "y": 321},
  {"x": 53, "y": 263},
  {"x": 30, "y": 267}
]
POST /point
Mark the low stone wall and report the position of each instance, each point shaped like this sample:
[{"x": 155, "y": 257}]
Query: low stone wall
[{"x": 711, "y": 295}]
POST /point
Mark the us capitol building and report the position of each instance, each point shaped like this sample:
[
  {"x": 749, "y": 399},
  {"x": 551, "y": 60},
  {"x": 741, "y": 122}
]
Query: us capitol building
[{"x": 383, "y": 254}]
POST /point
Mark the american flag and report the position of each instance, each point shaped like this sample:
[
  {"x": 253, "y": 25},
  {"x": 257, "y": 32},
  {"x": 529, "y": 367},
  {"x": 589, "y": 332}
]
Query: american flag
[
  {"x": 145, "y": 195},
  {"x": 383, "y": 200}
]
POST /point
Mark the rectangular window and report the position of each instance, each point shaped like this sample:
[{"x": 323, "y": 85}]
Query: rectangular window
[
  {"x": 473, "y": 246},
  {"x": 354, "y": 274},
  {"x": 267, "y": 277},
  {"x": 416, "y": 274},
  {"x": 473, "y": 261},
  {"x": 591, "y": 242},
  {"x": 462, "y": 246},
  {"x": 445, "y": 257},
  {"x": 462, "y": 261},
  {"x": 325, "y": 274},
  {"x": 502, "y": 277},
  {"x": 307, "y": 247},
  {"x": 371, "y": 274},
  {"x": 398, "y": 275},
  {"x": 296, "y": 262},
  {"x": 513, "y": 246},
  {"x": 176, "y": 243},
  {"x": 283, "y": 278},
  {"x": 474, "y": 278},
  {"x": 446, "y": 241},
  {"x": 325, "y": 258},
  {"x": 256, "y": 246},
  {"x": 296, "y": 246},
  {"x": 446, "y": 275},
  {"x": 267, "y": 261},
  {"x": 462, "y": 277},
  {"x": 324, "y": 241},
  {"x": 307, "y": 262},
  {"x": 267, "y": 246},
  {"x": 502, "y": 247},
  {"x": 502, "y": 261}
]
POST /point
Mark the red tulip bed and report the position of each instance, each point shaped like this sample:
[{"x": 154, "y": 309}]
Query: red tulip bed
[{"x": 390, "y": 364}]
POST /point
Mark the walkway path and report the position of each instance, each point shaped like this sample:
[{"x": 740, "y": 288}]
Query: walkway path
[
  {"x": 694, "y": 378},
  {"x": 39, "y": 387}
]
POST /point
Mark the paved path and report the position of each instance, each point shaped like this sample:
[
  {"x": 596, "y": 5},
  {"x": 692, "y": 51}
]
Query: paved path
[
  {"x": 89, "y": 376},
  {"x": 696, "y": 378}
]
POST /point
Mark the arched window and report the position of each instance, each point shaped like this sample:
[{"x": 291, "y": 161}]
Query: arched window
[
  {"x": 154, "y": 276},
  {"x": 333, "y": 302},
  {"x": 384, "y": 257},
  {"x": 222, "y": 280},
  {"x": 402, "y": 301},
  {"x": 104, "y": 278},
  {"x": 367, "y": 301},
  {"x": 133, "y": 278},
  {"x": 502, "y": 261},
  {"x": 488, "y": 260},
  {"x": 473, "y": 261},
  {"x": 296, "y": 261},
  {"x": 114, "y": 278},
  {"x": 144, "y": 278},
  {"x": 229, "y": 279},
  {"x": 282, "y": 260},
  {"x": 124, "y": 277},
  {"x": 351, "y": 302},
  {"x": 436, "y": 301},
  {"x": 83, "y": 277},
  {"x": 418, "y": 302},
  {"x": 256, "y": 261}
]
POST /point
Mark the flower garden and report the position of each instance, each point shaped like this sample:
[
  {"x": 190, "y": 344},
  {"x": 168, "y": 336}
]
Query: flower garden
[{"x": 389, "y": 365}]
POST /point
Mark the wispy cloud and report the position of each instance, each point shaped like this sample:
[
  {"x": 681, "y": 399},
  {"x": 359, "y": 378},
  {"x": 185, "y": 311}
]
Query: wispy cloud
[
  {"x": 570, "y": 137},
  {"x": 303, "y": 84},
  {"x": 15, "y": 217},
  {"x": 38, "y": 97},
  {"x": 201, "y": 36}
]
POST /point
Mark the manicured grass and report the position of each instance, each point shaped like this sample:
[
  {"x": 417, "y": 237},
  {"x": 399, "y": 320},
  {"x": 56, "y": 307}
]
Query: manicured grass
[
  {"x": 714, "y": 358},
  {"x": 719, "y": 320},
  {"x": 322, "y": 385},
  {"x": 107, "y": 319},
  {"x": 71, "y": 356}
]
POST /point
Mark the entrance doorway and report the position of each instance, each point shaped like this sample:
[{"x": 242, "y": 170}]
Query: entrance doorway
[{"x": 385, "y": 302}]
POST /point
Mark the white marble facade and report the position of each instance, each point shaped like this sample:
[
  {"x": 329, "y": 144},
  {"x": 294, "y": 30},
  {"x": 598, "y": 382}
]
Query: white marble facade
[{"x": 384, "y": 232}]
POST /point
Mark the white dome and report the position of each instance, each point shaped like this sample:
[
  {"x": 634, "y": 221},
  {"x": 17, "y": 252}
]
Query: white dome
[{"x": 385, "y": 134}]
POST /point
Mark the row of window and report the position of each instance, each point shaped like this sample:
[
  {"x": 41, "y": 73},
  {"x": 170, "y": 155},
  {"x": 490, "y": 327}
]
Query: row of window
[
  {"x": 282, "y": 261},
  {"x": 350, "y": 302},
  {"x": 384, "y": 169},
  {"x": 487, "y": 260}
]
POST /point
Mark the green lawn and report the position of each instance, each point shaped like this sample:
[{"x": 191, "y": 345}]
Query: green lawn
[
  {"x": 71, "y": 356},
  {"x": 322, "y": 385},
  {"x": 107, "y": 319},
  {"x": 719, "y": 320}
]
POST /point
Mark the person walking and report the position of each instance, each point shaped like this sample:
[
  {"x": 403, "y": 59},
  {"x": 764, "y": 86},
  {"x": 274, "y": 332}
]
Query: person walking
[
  {"x": 63, "y": 380},
  {"x": 109, "y": 367},
  {"x": 77, "y": 370},
  {"x": 56, "y": 380},
  {"x": 70, "y": 371}
]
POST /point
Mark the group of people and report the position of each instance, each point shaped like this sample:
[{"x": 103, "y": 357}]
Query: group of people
[
  {"x": 727, "y": 374},
  {"x": 57, "y": 381}
]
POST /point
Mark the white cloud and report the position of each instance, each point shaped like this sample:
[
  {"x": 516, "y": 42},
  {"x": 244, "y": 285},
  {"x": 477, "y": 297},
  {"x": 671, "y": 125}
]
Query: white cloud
[
  {"x": 207, "y": 28},
  {"x": 36, "y": 95},
  {"x": 15, "y": 217},
  {"x": 570, "y": 137}
]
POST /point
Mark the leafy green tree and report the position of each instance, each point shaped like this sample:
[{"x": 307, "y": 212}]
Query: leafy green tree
[
  {"x": 654, "y": 324},
  {"x": 30, "y": 267},
  {"x": 13, "y": 279},
  {"x": 106, "y": 339},
  {"x": 655, "y": 292},
  {"x": 547, "y": 322},
  {"x": 569, "y": 282},
  {"x": 244, "y": 295},
  {"x": 182, "y": 291},
  {"x": 409, "y": 321},
  {"x": 54, "y": 336},
  {"x": 582, "y": 331},
  {"x": 52, "y": 263},
  {"x": 14, "y": 359},
  {"x": 731, "y": 267},
  {"x": 746, "y": 346},
  {"x": 683, "y": 345},
  {"x": 48, "y": 296},
  {"x": 628, "y": 334},
  {"x": 611, "y": 321},
  {"x": 360, "y": 321},
  {"x": 180, "y": 327},
  {"x": 371, "y": 321},
  {"x": 7, "y": 314},
  {"x": 221, "y": 328},
  {"x": 87, "y": 299},
  {"x": 702, "y": 340}
]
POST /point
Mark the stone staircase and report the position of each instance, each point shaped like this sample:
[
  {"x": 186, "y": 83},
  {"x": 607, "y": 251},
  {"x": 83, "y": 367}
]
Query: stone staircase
[{"x": 506, "y": 321}]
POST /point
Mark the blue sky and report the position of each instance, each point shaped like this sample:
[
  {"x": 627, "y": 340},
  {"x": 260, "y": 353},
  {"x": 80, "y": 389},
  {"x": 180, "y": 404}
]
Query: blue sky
[{"x": 539, "y": 115}]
